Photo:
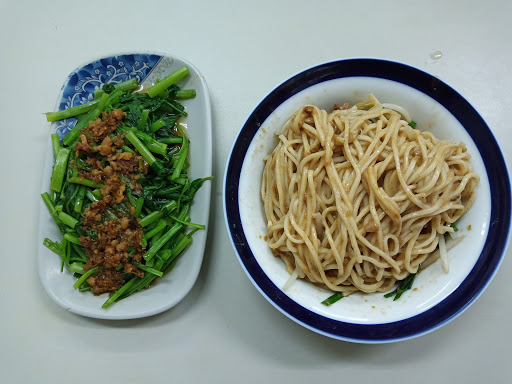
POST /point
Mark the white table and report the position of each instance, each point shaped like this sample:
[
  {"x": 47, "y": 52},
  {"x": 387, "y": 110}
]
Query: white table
[{"x": 224, "y": 331}]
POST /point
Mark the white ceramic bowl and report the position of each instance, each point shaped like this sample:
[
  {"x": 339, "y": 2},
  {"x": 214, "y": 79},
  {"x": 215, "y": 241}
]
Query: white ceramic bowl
[
  {"x": 438, "y": 297},
  {"x": 168, "y": 291}
]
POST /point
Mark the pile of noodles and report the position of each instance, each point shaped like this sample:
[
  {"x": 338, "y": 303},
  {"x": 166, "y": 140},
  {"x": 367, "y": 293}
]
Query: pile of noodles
[{"x": 357, "y": 199}]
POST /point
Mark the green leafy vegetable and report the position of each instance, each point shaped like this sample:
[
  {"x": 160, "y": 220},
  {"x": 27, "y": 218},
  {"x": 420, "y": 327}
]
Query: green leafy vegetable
[{"x": 158, "y": 208}]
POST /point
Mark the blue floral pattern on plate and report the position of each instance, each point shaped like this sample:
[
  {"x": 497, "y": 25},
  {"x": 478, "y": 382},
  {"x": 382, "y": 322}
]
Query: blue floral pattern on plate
[{"x": 83, "y": 81}]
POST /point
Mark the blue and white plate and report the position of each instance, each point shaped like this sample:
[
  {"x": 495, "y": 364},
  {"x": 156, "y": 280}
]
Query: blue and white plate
[
  {"x": 438, "y": 297},
  {"x": 78, "y": 89}
]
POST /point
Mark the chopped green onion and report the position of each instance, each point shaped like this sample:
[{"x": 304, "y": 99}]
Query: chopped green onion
[
  {"x": 405, "y": 285},
  {"x": 333, "y": 298}
]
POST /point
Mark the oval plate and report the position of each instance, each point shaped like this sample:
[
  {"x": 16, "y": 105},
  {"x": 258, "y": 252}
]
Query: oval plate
[
  {"x": 168, "y": 291},
  {"x": 371, "y": 318}
]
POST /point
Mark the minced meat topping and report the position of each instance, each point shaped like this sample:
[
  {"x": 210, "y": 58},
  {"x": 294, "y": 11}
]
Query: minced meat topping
[{"x": 112, "y": 235}]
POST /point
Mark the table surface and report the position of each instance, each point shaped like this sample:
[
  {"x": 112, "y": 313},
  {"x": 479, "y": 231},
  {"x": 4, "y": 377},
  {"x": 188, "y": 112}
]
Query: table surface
[{"x": 224, "y": 330}]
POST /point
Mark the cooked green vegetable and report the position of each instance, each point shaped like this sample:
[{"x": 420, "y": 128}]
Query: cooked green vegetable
[
  {"x": 185, "y": 94},
  {"x": 405, "y": 285},
  {"x": 124, "y": 86},
  {"x": 59, "y": 170},
  {"x": 55, "y": 144},
  {"x": 333, "y": 298},
  {"x": 412, "y": 123},
  {"x": 71, "y": 112},
  {"x": 168, "y": 81},
  {"x": 130, "y": 177}
]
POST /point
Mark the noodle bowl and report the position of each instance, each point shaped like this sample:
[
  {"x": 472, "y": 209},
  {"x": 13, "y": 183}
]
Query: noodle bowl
[{"x": 357, "y": 199}]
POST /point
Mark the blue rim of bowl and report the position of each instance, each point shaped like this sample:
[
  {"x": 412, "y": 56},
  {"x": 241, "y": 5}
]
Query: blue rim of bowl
[{"x": 497, "y": 239}]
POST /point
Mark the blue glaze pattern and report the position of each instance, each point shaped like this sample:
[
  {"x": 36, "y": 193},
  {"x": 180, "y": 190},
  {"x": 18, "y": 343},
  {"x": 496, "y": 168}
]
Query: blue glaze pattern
[{"x": 82, "y": 82}]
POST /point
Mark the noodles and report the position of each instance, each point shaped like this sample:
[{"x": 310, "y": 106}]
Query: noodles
[{"x": 356, "y": 200}]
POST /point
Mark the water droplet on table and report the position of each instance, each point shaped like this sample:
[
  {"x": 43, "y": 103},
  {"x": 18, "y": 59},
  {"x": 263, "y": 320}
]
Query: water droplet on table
[{"x": 436, "y": 55}]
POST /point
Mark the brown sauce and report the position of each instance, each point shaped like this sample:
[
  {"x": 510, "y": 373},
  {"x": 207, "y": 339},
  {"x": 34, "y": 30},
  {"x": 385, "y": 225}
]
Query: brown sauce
[{"x": 112, "y": 236}]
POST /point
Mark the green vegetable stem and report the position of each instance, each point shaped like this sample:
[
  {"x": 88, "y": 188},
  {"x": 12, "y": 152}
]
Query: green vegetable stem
[{"x": 159, "y": 209}]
